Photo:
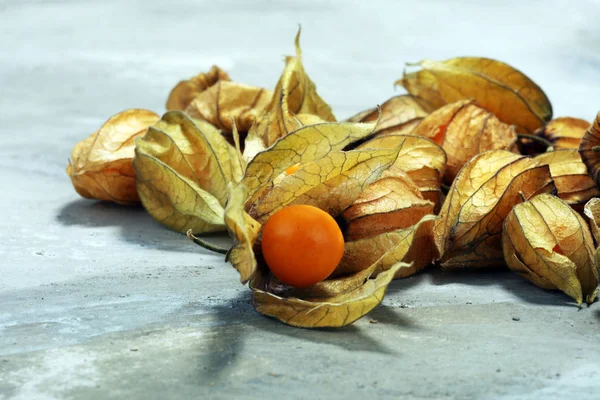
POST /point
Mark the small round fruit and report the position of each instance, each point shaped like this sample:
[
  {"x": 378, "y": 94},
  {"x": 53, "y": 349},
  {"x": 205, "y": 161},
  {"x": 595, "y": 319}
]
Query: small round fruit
[{"x": 302, "y": 245}]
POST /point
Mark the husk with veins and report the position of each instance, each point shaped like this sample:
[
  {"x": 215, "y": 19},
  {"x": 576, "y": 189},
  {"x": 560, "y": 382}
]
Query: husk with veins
[
  {"x": 331, "y": 183},
  {"x": 326, "y": 312},
  {"x": 498, "y": 87},
  {"x": 261, "y": 116},
  {"x": 548, "y": 243},
  {"x": 464, "y": 129},
  {"x": 187, "y": 90},
  {"x": 414, "y": 245},
  {"x": 101, "y": 165},
  {"x": 569, "y": 173},
  {"x": 564, "y": 132},
  {"x": 295, "y": 103},
  {"x": 483, "y": 193},
  {"x": 183, "y": 167},
  {"x": 184, "y": 164},
  {"x": 227, "y": 104},
  {"x": 391, "y": 202},
  {"x": 423, "y": 161},
  {"x": 330, "y": 179},
  {"x": 589, "y": 149},
  {"x": 398, "y": 115},
  {"x": 592, "y": 212},
  {"x": 303, "y": 146}
]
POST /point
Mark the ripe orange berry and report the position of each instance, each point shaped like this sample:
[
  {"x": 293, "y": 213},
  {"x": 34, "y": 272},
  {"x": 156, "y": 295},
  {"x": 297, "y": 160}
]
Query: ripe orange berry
[
  {"x": 292, "y": 169},
  {"x": 302, "y": 245}
]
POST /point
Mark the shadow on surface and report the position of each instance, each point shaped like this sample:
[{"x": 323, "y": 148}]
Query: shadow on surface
[
  {"x": 471, "y": 277},
  {"x": 399, "y": 285},
  {"x": 349, "y": 338},
  {"x": 136, "y": 225},
  {"x": 508, "y": 280},
  {"x": 392, "y": 315},
  {"x": 237, "y": 318},
  {"x": 530, "y": 293}
]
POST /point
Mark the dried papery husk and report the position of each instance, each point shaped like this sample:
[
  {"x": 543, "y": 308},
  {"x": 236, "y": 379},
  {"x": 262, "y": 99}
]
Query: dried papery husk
[
  {"x": 589, "y": 149},
  {"x": 398, "y": 115},
  {"x": 294, "y": 95},
  {"x": 564, "y": 132},
  {"x": 227, "y": 103},
  {"x": 414, "y": 245},
  {"x": 547, "y": 242},
  {"x": 183, "y": 168},
  {"x": 573, "y": 184},
  {"x": 481, "y": 196},
  {"x": 464, "y": 129},
  {"x": 100, "y": 166},
  {"x": 390, "y": 203},
  {"x": 498, "y": 87},
  {"x": 422, "y": 160},
  {"x": 185, "y": 91}
]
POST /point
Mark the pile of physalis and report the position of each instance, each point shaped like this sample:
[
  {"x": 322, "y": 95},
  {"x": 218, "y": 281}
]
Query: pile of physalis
[{"x": 467, "y": 170}]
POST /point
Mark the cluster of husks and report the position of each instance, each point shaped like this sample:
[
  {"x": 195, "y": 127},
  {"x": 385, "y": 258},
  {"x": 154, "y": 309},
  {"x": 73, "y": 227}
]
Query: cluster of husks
[{"x": 217, "y": 160}]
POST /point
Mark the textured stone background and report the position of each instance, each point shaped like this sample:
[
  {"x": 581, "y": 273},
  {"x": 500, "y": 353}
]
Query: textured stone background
[{"x": 98, "y": 301}]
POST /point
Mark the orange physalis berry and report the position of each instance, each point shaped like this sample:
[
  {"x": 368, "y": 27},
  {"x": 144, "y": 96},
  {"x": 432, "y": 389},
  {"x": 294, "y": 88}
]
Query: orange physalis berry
[{"x": 302, "y": 245}]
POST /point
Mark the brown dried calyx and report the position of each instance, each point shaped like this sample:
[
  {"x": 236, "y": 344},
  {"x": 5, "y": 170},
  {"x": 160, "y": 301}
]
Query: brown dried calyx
[
  {"x": 422, "y": 160},
  {"x": 295, "y": 103},
  {"x": 499, "y": 88},
  {"x": 100, "y": 166},
  {"x": 573, "y": 184},
  {"x": 564, "y": 132},
  {"x": 589, "y": 148},
  {"x": 390, "y": 203},
  {"x": 185, "y": 91},
  {"x": 227, "y": 103},
  {"x": 396, "y": 116},
  {"x": 183, "y": 167},
  {"x": 547, "y": 242},
  {"x": 468, "y": 233},
  {"x": 464, "y": 129}
]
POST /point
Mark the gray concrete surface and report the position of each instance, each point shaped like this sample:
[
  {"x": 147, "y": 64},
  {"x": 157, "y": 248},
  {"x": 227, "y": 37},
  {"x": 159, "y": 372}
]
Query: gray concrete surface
[{"x": 98, "y": 301}]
